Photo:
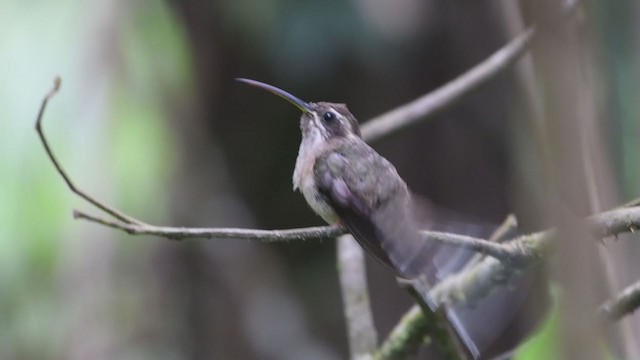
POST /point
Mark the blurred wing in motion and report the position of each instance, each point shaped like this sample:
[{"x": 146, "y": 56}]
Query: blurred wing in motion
[{"x": 497, "y": 323}]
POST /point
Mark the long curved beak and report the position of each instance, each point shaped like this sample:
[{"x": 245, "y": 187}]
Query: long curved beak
[{"x": 303, "y": 106}]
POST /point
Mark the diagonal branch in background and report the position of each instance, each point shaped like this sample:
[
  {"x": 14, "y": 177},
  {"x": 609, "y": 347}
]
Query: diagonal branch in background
[
  {"x": 503, "y": 233},
  {"x": 449, "y": 93}
]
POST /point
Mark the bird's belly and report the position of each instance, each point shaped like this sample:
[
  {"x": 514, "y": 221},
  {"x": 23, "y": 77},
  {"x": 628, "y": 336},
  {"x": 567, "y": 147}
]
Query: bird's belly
[{"x": 317, "y": 202}]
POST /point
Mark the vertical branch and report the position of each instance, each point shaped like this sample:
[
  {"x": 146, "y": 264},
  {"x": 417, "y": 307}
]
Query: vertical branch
[
  {"x": 565, "y": 99},
  {"x": 599, "y": 182},
  {"x": 525, "y": 76},
  {"x": 592, "y": 146},
  {"x": 363, "y": 338}
]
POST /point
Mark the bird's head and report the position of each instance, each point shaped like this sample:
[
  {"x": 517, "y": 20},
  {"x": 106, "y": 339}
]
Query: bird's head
[{"x": 319, "y": 121}]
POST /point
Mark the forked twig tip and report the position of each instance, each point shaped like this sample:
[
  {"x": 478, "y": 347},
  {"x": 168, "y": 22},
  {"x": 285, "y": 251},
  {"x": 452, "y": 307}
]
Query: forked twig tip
[{"x": 57, "y": 81}]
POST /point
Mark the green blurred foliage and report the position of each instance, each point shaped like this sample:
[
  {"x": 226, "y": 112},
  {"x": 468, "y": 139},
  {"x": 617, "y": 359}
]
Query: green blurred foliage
[
  {"x": 617, "y": 29},
  {"x": 544, "y": 344},
  {"x": 119, "y": 127}
]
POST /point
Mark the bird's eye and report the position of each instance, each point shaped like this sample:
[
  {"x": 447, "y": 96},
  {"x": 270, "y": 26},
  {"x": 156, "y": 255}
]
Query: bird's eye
[{"x": 329, "y": 116}]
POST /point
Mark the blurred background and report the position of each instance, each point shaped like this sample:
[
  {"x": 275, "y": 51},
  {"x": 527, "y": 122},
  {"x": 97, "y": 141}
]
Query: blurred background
[{"x": 150, "y": 120}]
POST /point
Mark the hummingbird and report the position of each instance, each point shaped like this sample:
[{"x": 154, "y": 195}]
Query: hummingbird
[{"x": 347, "y": 183}]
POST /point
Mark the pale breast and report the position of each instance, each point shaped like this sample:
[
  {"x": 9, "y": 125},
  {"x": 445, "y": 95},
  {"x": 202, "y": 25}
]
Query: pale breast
[{"x": 303, "y": 179}]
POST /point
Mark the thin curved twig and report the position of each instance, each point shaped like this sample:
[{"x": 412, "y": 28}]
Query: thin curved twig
[
  {"x": 181, "y": 233},
  {"x": 99, "y": 204},
  {"x": 504, "y": 252}
]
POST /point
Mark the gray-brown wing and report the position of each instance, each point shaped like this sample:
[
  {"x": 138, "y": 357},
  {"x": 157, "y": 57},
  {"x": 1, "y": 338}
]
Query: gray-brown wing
[{"x": 373, "y": 203}]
